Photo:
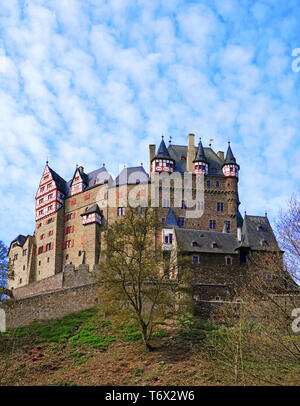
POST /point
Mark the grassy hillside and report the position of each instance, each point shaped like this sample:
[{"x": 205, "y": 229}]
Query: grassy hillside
[{"x": 83, "y": 349}]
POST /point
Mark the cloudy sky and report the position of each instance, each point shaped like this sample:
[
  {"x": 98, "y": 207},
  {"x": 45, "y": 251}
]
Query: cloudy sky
[{"x": 93, "y": 81}]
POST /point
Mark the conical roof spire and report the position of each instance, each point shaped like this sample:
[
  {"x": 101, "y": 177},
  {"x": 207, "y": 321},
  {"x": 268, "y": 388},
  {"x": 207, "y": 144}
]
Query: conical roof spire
[
  {"x": 200, "y": 155},
  {"x": 230, "y": 159},
  {"x": 162, "y": 151}
]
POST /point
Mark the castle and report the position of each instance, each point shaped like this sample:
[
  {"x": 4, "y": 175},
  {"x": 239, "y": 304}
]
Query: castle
[{"x": 71, "y": 216}]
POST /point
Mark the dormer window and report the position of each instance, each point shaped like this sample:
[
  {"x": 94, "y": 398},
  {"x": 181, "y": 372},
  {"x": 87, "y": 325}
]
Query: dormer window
[
  {"x": 260, "y": 228},
  {"x": 195, "y": 244},
  {"x": 182, "y": 158},
  {"x": 264, "y": 243}
]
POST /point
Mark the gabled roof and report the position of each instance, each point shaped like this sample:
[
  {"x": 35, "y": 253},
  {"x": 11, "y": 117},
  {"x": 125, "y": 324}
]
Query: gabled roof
[
  {"x": 131, "y": 176},
  {"x": 257, "y": 229},
  {"x": 60, "y": 183},
  {"x": 226, "y": 242},
  {"x": 20, "y": 240},
  {"x": 162, "y": 151},
  {"x": 97, "y": 177},
  {"x": 200, "y": 155}
]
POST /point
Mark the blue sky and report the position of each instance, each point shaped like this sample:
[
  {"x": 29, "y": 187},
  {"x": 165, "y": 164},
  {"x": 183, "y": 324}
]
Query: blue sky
[{"x": 93, "y": 81}]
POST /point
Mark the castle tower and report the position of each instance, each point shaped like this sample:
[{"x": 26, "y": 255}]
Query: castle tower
[
  {"x": 231, "y": 172},
  {"x": 162, "y": 162},
  {"x": 200, "y": 162},
  {"x": 49, "y": 223},
  {"x": 230, "y": 167}
]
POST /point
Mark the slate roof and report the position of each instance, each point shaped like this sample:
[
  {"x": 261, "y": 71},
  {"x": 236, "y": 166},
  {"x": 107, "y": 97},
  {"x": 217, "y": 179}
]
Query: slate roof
[
  {"x": 213, "y": 160},
  {"x": 91, "y": 210},
  {"x": 230, "y": 159},
  {"x": 20, "y": 239},
  {"x": 226, "y": 242},
  {"x": 162, "y": 151},
  {"x": 97, "y": 177},
  {"x": 131, "y": 176},
  {"x": 257, "y": 229},
  {"x": 200, "y": 155},
  {"x": 171, "y": 219},
  {"x": 60, "y": 183}
]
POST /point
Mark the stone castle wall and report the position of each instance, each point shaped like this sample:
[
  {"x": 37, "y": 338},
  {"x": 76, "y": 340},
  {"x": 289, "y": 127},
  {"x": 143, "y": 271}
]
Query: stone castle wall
[{"x": 23, "y": 312}]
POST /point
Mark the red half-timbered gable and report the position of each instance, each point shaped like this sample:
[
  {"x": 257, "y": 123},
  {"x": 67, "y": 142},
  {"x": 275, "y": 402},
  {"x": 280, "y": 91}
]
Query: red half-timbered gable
[{"x": 49, "y": 198}]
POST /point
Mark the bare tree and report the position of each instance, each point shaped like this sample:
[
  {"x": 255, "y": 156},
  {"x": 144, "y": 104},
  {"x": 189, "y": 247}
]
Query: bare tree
[{"x": 134, "y": 275}]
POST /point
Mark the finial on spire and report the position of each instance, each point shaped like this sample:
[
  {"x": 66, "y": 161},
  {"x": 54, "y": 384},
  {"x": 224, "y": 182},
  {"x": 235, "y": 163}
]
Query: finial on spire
[
  {"x": 142, "y": 164},
  {"x": 48, "y": 157},
  {"x": 245, "y": 212},
  {"x": 266, "y": 214},
  {"x": 170, "y": 140}
]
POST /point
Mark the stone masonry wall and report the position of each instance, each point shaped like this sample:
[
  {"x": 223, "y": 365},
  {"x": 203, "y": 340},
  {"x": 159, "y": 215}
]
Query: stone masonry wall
[{"x": 50, "y": 306}]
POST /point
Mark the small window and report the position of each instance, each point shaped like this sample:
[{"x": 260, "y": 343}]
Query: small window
[
  {"x": 260, "y": 228},
  {"x": 67, "y": 257},
  {"x": 180, "y": 222},
  {"x": 214, "y": 245},
  {"x": 79, "y": 253},
  {"x": 39, "y": 263},
  {"x": 220, "y": 207},
  {"x": 195, "y": 244},
  {"x": 183, "y": 204},
  {"x": 217, "y": 298},
  {"x": 163, "y": 220},
  {"x": 23, "y": 267},
  {"x": 217, "y": 183},
  {"x": 208, "y": 183},
  {"x": 195, "y": 259},
  {"x": 228, "y": 260},
  {"x": 182, "y": 158},
  {"x": 212, "y": 224},
  {"x": 48, "y": 260},
  {"x": 121, "y": 211}
]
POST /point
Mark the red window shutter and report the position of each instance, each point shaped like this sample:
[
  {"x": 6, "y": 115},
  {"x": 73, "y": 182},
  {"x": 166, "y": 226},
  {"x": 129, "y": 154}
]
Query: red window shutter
[
  {"x": 37, "y": 251},
  {"x": 40, "y": 236},
  {"x": 52, "y": 219},
  {"x": 82, "y": 239},
  {"x": 143, "y": 192},
  {"x": 86, "y": 197},
  {"x": 66, "y": 217},
  {"x": 46, "y": 221},
  {"x": 73, "y": 201},
  {"x": 72, "y": 243},
  {"x": 52, "y": 246},
  {"x": 44, "y": 248},
  {"x": 72, "y": 229},
  {"x": 73, "y": 215}
]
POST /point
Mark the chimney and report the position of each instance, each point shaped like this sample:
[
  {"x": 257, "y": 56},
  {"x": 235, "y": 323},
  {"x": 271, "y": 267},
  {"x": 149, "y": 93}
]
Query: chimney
[
  {"x": 152, "y": 154},
  {"x": 191, "y": 153},
  {"x": 221, "y": 155}
]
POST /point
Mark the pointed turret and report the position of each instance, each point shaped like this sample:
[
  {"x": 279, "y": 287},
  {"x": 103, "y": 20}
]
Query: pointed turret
[
  {"x": 230, "y": 167},
  {"x": 200, "y": 161},
  {"x": 162, "y": 162}
]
